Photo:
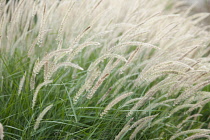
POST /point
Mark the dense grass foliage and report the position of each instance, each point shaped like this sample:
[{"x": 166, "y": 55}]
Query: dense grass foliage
[{"x": 103, "y": 70}]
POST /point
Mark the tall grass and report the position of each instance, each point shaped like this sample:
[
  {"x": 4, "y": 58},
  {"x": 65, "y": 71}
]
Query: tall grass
[{"x": 103, "y": 69}]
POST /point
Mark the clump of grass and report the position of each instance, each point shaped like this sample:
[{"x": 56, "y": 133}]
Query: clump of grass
[{"x": 136, "y": 69}]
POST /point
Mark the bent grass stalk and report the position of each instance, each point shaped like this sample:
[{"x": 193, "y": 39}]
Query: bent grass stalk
[
  {"x": 40, "y": 117},
  {"x": 96, "y": 62},
  {"x": 63, "y": 64},
  {"x": 96, "y": 86},
  {"x": 124, "y": 130},
  {"x": 37, "y": 90},
  {"x": 88, "y": 83},
  {"x": 200, "y": 131},
  {"x": 187, "y": 94},
  {"x": 197, "y": 136},
  {"x": 140, "y": 124},
  {"x": 60, "y": 31},
  {"x": 188, "y": 118},
  {"x": 114, "y": 102}
]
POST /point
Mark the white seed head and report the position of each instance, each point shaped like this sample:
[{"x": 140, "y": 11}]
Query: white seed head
[{"x": 1, "y": 132}]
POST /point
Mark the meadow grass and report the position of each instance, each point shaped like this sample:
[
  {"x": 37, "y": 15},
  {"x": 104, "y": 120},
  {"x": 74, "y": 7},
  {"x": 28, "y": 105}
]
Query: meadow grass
[{"x": 103, "y": 70}]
